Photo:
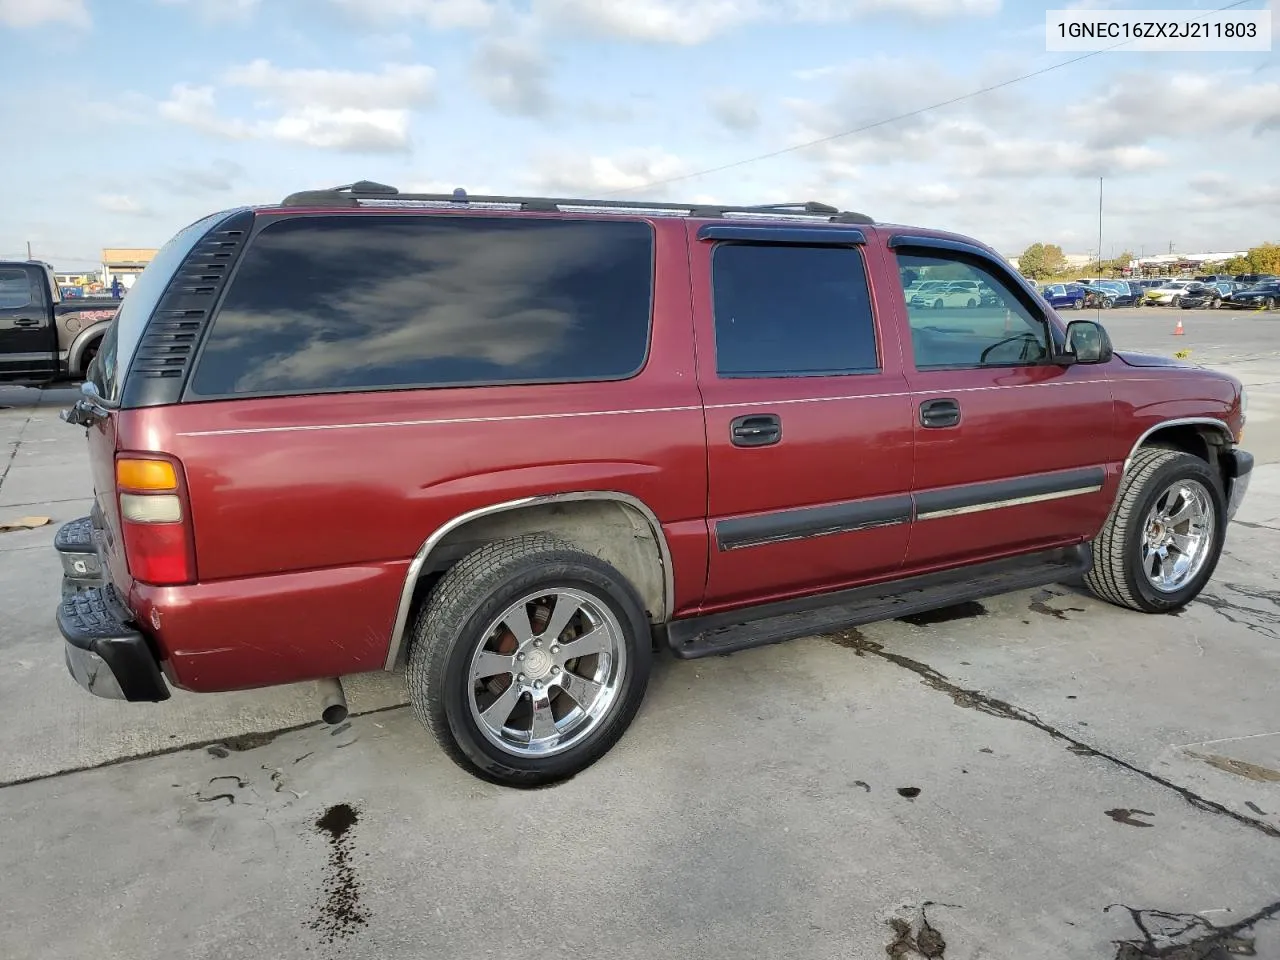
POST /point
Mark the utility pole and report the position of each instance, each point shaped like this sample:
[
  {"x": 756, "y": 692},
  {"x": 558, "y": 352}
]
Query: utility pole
[
  {"x": 28, "y": 249},
  {"x": 1099, "y": 224}
]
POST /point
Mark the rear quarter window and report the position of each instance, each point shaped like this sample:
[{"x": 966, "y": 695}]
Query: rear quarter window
[{"x": 347, "y": 303}]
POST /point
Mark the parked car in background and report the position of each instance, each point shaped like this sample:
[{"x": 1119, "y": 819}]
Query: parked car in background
[
  {"x": 1252, "y": 278},
  {"x": 45, "y": 337},
  {"x": 1258, "y": 296},
  {"x": 1208, "y": 296},
  {"x": 1065, "y": 295},
  {"x": 956, "y": 293},
  {"x": 1117, "y": 293},
  {"x": 512, "y": 445},
  {"x": 1172, "y": 292}
]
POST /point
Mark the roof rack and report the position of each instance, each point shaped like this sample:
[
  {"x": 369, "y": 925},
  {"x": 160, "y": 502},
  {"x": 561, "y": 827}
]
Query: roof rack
[{"x": 366, "y": 193}]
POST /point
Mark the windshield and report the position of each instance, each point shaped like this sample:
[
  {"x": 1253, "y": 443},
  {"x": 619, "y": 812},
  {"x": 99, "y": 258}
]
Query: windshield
[{"x": 125, "y": 332}]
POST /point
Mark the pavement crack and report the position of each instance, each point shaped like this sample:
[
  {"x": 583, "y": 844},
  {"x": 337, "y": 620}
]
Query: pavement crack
[
  {"x": 219, "y": 744},
  {"x": 992, "y": 706},
  {"x": 1188, "y": 936},
  {"x": 13, "y": 454}
]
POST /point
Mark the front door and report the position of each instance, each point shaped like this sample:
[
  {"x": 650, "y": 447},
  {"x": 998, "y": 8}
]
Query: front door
[
  {"x": 808, "y": 422},
  {"x": 1011, "y": 451},
  {"x": 27, "y": 341}
]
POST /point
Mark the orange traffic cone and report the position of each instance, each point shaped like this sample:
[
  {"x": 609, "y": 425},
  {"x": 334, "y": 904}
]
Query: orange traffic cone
[{"x": 1178, "y": 331}]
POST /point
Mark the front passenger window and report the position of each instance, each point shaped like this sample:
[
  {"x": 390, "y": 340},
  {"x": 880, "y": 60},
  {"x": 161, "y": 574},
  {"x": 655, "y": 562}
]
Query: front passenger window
[{"x": 972, "y": 319}]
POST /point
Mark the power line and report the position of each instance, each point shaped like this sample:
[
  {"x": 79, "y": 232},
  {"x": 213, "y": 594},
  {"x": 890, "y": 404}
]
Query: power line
[{"x": 894, "y": 119}]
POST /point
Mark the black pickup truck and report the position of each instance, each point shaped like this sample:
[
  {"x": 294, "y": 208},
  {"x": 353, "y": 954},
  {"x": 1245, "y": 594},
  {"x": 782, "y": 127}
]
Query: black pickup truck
[{"x": 44, "y": 338}]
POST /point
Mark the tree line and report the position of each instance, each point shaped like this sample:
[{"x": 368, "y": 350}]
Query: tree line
[{"x": 1046, "y": 261}]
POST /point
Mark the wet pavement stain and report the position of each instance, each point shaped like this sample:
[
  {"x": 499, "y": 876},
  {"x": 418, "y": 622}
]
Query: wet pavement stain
[
  {"x": 218, "y": 796},
  {"x": 1188, "y": 936},
  {"x": 1126, "y": 816},
  {"x": 1039, "y": 604},
  {"x": 907, "y": 942},
  {"x": 957, "y": 611},
  {"x": 1255, "y": 808},
  {"x": 851, "y": 639},
  {"x": 909, "y": 792},
  {"x": 863, "y": 784},
  {"x": 339, "y": 914},
  {"x": 1241, "y": 768}
]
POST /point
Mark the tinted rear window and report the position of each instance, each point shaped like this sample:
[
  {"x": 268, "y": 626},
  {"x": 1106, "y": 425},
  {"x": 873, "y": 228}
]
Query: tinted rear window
[
  {"x": 330, "y": 303},
  {"x": 792, "y": 311}
]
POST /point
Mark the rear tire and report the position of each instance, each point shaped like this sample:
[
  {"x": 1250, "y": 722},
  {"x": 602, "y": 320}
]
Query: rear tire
[
  {"x": 1123, "y": 554},
  {"x": 495, "y": 724},
  {"x": 1176, "y": 301}
]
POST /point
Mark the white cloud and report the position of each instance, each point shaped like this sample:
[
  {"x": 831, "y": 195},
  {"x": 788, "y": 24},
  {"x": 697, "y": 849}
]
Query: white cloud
[
  {"x": 329, "y": 109},
  {"x": 691, "y": 22},
  {"x": 513, "y": 74},
  {"x": 219, "y": 176},
  {"x": 1140, "y": 106},
  {"x": 397, "y": 86},
  {"x": 565, "y": 172},
  {"x": 33, "y": 13},
  {"x": 735, "y": 109},
  {"x": 437, "y": 14},
  {"x": 240, "y": 11},
  {"x": 197, "y": 107},
  {"x": 346, "y": 128},
  {"x": 121, "y": 203}
]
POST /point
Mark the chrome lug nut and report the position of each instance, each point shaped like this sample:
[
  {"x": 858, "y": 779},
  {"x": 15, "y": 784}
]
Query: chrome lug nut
[{"x": 520, "y": 679}]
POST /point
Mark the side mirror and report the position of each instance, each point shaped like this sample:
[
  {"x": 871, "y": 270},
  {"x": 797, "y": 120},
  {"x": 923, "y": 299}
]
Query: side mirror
[{"x": 1087, "y": 342}]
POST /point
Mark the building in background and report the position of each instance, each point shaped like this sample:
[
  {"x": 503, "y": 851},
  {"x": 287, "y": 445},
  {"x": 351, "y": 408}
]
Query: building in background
[{"x": 124, "y": 263}]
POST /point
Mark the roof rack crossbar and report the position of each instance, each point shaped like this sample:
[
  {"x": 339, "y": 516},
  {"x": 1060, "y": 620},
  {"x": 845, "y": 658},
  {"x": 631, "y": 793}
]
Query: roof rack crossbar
[{"x": 350, "y": 195}]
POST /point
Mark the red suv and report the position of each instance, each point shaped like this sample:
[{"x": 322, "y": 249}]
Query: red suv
[{"x": 518, "y": 444}]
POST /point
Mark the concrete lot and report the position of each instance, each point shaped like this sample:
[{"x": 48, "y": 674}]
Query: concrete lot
[{"x": 1041, "y": 775}]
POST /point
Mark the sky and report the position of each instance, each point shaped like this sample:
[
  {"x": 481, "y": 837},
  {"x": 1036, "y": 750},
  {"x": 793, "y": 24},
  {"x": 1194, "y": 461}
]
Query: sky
[{"x": 125, "y": 120}]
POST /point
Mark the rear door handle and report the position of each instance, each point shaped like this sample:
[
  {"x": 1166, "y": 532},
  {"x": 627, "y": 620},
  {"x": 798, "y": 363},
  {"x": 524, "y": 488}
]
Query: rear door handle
[
  {"x": 755, "y": 430},
  {"x": 943, "y": 412},
  {"x": 27, "y": 322}
]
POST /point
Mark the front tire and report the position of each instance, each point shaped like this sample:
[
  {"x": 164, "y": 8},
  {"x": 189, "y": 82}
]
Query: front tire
[
  {"x": 1268, "y": 304},
  {"x": 1176, "y": 301},
  {"x": 529, "y": 661},
  {"x": 1163, "y": 538}
]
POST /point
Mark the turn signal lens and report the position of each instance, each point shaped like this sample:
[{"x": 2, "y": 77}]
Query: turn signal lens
[{"x": 146, "y": 475}]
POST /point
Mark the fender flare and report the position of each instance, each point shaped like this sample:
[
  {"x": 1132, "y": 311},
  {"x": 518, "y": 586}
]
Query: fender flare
[
  {"x": 401, "y": 625},
  {"x": 75, "y": 352}
]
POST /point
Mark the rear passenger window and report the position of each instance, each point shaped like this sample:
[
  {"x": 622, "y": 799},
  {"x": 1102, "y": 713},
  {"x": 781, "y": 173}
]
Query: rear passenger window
[
  {"x": 791, "y": 311},
  {"x": 15, "y": 289},
  {"x": 332, "y": 303}
]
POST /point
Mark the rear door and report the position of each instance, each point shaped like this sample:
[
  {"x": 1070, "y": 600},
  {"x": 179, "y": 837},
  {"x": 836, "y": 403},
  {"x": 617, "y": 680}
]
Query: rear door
[
  {"x": 1011, "y": 451},
  {"x": 28, "y": 346},
  {"x": 808, "y": 424}
]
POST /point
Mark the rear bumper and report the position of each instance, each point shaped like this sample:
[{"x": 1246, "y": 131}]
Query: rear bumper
[
  {"x": 104, "y": 653},
  {"x": 1238, "y": 467}
]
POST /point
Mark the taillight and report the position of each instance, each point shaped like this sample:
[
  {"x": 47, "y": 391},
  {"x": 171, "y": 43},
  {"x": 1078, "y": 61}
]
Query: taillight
[{"x": 156, "y": 520}]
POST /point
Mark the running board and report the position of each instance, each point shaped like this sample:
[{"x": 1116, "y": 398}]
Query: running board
[{"x": 723, "y": 633}]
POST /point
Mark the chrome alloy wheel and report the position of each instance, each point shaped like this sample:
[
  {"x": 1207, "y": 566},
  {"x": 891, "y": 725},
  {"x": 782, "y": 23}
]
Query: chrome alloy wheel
[
  {"x": 1177, "y": 536},
  {"x": 547, "y": 672}
]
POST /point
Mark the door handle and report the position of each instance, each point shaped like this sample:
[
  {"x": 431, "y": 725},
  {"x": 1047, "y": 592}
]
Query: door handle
[
  {"x": 944, "y": 412},
  {"x": 755, "y": 430},
  {"x": 27, "y": 322}
]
